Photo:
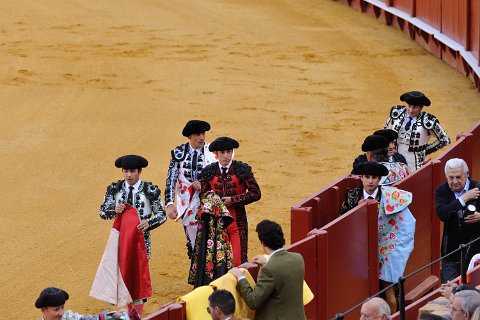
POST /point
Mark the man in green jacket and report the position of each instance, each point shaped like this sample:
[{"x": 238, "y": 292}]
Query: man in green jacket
[{"x": 278, "y": 293}]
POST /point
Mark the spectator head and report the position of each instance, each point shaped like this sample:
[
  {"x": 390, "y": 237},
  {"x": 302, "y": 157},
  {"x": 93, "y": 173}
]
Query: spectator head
[
  {"x": 375, "y": 144},
  {"x": 456, "y": 172},
  {"x": 464, "y": 304},
  {"x": 375, "y": 308},
  {"x": 476, "y": 314},
  {"x": 391, "y": 136},
  {"x": 52, "y": 302},
  {"x": 221, "y": 304},
  {"x": 270, "y": 234},
  {"x": 370, "y": 173}
]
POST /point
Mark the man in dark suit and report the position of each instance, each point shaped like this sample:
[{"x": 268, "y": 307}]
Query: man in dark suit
[
  {"x": 452, "y": 198},
  {"x": 278, "y": 293},
  {"x": 371, "y": 174}
]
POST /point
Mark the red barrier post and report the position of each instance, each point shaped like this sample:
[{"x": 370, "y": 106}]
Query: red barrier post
[
  {"x": 301, "y": 222},
  {"x": 308, "y": 249}
]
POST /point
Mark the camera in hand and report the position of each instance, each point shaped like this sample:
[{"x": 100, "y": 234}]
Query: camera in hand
[{"x": 469, "y": 209}]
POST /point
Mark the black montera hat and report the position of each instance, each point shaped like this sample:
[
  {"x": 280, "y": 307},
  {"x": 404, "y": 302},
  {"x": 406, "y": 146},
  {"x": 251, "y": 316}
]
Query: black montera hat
[
  {"x": 374, "y": 142},
  {"x": 131, "y": 161},
  {"x": 390, "y": 134},
  {"x": 370, "y": 168},
  {"x": 223, "y": 143},
  {"x": 51, "y": 297},
  {"x": 415, "y": 98},
  {"x": 195, "y": 127}
]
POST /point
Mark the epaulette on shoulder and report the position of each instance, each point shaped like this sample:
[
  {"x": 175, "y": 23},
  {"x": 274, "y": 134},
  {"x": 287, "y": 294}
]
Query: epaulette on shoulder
[
  {"x": 242, "y": 170},
  {"x": 396, "y": 111},
  {"x": 429, "y": 120},
  {"x": 180, "y": 152},
  {"x": 114, "y": 187},
  {"x": 208, "y": 172},
  {"x": 151, "y": 191}
]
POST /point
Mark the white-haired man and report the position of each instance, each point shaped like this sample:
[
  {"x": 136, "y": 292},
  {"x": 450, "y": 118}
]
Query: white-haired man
[
  {"x": 375, "y": 308},
  {"x": 464, "y": 304},
  {"x": 453, "y": 198}
]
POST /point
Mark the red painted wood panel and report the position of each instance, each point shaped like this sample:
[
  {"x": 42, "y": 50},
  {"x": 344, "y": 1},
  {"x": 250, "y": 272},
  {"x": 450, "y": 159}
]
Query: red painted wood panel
[
  {"x": 454, "y": 20},
  {"x": 474, "y": 41},
  {"x": 349, "y": 259},
  {"x": 404, "y": 5},
  {"x": 457, "y": 150},
  {"x": 308, "y": 249},
  {"x": 475, "y": 149},
  {"x": 161, "y": 314},
  {"x": 429, "y": 11},
  {"x": 320, "y": 208},
  {"x": 420, "y": 184}
]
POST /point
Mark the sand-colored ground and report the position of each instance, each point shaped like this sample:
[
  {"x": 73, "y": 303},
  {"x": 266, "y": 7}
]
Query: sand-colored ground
[{"x": 299, "y": 83}]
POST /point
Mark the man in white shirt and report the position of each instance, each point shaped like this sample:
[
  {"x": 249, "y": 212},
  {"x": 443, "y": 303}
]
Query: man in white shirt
[
  {"x": 142, "y": 195},
  {"x": 415, "y": 129},
  {"x": 182, "y": 183},
  {"x": 370, "y": 173}
]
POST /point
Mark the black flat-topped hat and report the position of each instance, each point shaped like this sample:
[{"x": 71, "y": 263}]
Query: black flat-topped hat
[
  {"x": 370, "y": 168},
  {"x": 415, "y": 98},
  {"x": 131, "y": 161},
  {"x": 374, "y": 142},
  {"x": 390, "y": 134},
  {"x": 195, "y": 127},
  {"x": 223, "y": 143},
  {"x": 51, "y": 297}
]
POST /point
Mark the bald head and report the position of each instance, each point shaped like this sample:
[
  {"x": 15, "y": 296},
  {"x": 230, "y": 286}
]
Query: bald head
[{"x": 375, "y": 308}]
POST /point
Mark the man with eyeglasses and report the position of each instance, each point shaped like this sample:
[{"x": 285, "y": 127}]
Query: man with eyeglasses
[
  {"x": 464, "y": 304},
  {"x": 375, "y": 308},
  {"x": 221, "y": 305}
]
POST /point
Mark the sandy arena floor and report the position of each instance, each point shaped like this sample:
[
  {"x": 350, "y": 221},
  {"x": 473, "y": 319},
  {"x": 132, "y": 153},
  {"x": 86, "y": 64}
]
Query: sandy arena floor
[{"x": 299, "y": 83}]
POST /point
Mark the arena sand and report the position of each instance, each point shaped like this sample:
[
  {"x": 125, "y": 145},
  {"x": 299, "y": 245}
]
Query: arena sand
[{"x": 298, "y": 83}]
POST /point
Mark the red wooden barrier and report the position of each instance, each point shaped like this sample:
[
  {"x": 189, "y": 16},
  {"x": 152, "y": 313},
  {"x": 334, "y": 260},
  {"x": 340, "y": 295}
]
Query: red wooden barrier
[
  {"x": 449, "y": 29},
  {"x": 429, "y": 11},
  {"x": 474, "y": 41},
  {"x": 320, "y": 208},
  {"x": 427, "y": 225},
  {"x": 405, "y": 5},
  {"x": 350, "y": 261},
  {"x": 474, "y": 166},
  {"x": 308, "y": 249}
]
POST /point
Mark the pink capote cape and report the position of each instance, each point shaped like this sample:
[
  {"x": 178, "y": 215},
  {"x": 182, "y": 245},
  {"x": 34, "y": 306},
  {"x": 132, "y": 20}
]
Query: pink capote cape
[{"x": 123, "y": 274}]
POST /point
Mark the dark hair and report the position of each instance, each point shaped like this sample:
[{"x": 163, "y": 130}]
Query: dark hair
[
  {"x": 380, "y": 155},
  {"x": 271, "y": 234},
  {"x": 429, "y": 316},
  {"x": 224, "y": 300}
]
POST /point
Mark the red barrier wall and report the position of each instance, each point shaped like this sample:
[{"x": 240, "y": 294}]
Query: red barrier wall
[
  {"x": 348, "y": 260},
  {"x": 454, "y": 20},
  {"x": 308, "y": 249},
  {"x": 320, "y": 208},
  {"x": 474, "y": 41},
  {"x": 404, "y": 5},
  {"x": 427, "y": 225},
  {"x": 429, "y": 11},
  {"x": 448, "y": 29}
]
